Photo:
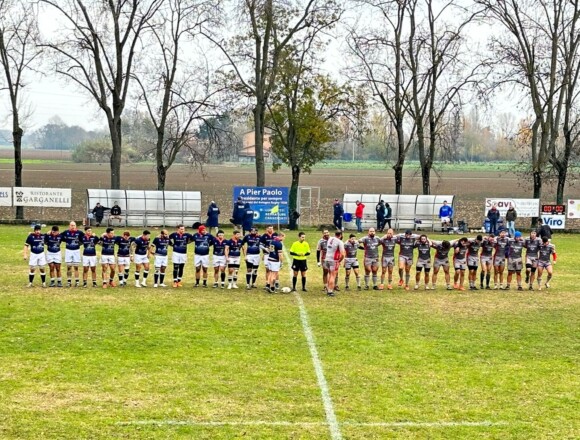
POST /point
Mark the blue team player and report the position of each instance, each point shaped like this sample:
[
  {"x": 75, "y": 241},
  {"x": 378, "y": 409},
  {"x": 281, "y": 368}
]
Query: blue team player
[
  {"x": 160, "y": 247},
  {"x": 202, "y": 241},
  {"x": 252, "y": 243},
  {"x": 107, "y": 243},
  {"x": 53, "y": 241},
  {"x": 141, "y": 256},
  {"x": 234, "y": 249},
  {"x": 179, "y": 240},
  {"x": 35, "y": 243},
  {"x": 89, "y": 241},
  {"x": 72, "y": 252}
]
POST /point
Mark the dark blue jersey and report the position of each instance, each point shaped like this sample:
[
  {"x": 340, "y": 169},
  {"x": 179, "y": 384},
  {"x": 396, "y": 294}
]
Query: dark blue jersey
[
  {"x": 89, "y": 245},
  {"x": 202, "y": 243},
  {"x": 234, "y": 247},
  {"x": 36, "y": 243},
  {"x": 124, "y": 246},
  {"x": 274, "y": 249},
  {"x": 72, "y": 239},
  {"x": 265, "y": 241},
  {"x": 53, "y": 242},
  {"x": 219, "y": 247},
  {"x": 141, "y": 246},
  {"x": 108, "y": 245},
  {"x": 161, "y": 245},
  {"x": 179, "y": 241},
  {"x": 253, "y": 243}
]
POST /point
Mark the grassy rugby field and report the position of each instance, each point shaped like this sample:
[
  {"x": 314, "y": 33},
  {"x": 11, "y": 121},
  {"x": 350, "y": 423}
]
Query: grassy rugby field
[{"x": 205, "y": 363}]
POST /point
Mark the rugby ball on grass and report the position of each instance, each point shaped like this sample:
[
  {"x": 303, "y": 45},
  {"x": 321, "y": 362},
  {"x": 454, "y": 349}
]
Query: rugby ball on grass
[{"x": 286, "y": 290}]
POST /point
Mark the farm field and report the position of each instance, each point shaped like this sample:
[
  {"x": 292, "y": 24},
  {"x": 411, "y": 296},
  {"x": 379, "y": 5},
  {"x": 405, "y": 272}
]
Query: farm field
[{"x": 223, "y": 364}]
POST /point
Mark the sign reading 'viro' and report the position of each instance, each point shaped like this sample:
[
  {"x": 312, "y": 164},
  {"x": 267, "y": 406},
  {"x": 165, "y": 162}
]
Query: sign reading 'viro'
[{"x": 44, "y": 197}]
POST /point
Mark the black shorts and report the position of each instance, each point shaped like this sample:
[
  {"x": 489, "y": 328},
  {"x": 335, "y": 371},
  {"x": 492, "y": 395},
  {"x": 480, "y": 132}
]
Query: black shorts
[{"x": 299, "y": 266}]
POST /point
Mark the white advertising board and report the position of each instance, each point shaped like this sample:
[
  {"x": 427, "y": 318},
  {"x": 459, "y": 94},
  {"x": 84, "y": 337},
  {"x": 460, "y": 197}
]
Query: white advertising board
[
  {"x": 524, "y": 207},
  {"x": 6, "y": 196},
  {"x": 573, "y": 208},
  {"x": 554, "y": 221},
  {"x": 45, "y": 197}
]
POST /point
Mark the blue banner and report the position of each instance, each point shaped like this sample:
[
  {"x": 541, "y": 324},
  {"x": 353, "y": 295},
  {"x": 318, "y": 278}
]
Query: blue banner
[{"x": 270, "y": 203}]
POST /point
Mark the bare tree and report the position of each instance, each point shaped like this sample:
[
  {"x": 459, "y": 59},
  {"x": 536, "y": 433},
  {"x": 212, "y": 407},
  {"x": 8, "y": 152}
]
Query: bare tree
[
  {"x": 18, "y": 53},
  {"x": 175, "y": 88},
  {"x": 440, "y": 70},
  {"x": 97, "y": 52},
  {"x": 379, "y": 50},
  {"x": 266, "y": 27}
]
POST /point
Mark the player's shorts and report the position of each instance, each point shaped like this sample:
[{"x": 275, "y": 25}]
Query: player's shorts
[
  {"x": 124, "y": 261},
  {"x": 178, "y": 258},
  {"x": 372, "y": 262},
  {"x": 515, "y": 265},
  {"x": 299, "y": 266},
  {"x": 234, "y": 262},
  {"x": 485, "y": 260},
  {"x": 331, "y": 265},
  {"x": 423, "y": 264},
  {"x": 266, "y": 260},
  {"x": 544, "y": 264},
  {"x": 531, "y": 261},
  {"x": 160, "y": 261},
  {"x": 460, "y": 264},
  {"x": 141, "y": 259},
  {"x": 53, "y": 257},
  {"x": 107, "y": 259},
  {"x": 499, "y": 262},
  {"x": 201, "y": 260},
  {"x": 388, "y": 261},
  {"x": 89, "y": 260},
  {"x": 472, "y": 261},
  {"x": 37, "y": 260},
  {"x": 72, "y": 257},
  {"x": 274, "y": 266},
  {"x": 253, "y": 260},
  {"x": 350, "y": 263},
  {"x": 407, "y": 261},
  {"x": 219, "y": 261},
  {"x": 441, "y": 263}
]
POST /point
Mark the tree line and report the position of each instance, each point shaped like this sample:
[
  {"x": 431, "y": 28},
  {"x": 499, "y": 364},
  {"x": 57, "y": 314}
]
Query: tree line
[{"x": 409, "y": 71}]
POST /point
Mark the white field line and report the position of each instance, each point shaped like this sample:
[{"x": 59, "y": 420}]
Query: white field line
[
  {"x": 463, "y": 423},
  {"x": 333, "y": 425}
]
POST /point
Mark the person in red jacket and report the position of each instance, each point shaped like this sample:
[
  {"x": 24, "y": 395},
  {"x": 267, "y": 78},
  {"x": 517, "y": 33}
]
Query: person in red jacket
[{"x": 359, "y": 215}]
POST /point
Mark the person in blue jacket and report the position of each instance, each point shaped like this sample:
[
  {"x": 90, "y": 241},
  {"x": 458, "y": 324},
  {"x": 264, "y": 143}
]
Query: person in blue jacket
[
  {"x": 238, "y": 213},
  {"x": 213, "y": 213},
  {"x": 248, "y": 221},
  {"x": 338, "y": 212}
]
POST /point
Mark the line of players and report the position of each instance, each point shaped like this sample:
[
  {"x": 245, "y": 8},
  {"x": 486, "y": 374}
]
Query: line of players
[
  {"x": 119, "y": 251},
  {"x": 468, "y": 255}
]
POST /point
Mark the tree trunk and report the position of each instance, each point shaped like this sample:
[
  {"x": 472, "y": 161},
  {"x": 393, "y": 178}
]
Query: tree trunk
[
  {"x": 426, "y": 177},
  {"x": 17, "y": 140},
  {"x": 293, "y": 201},
  {"x": 161, "y": 176},
  {"x": 561, "y": 185},
  {"x": 398, "y": 167},
  {"x": 116, "y": 142},
  {"x": 537, "y": 177},
  {"x": 259, "y": 111}
]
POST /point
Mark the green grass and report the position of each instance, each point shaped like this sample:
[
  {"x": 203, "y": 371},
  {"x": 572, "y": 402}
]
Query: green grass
[{"x": 77, "y": 363}]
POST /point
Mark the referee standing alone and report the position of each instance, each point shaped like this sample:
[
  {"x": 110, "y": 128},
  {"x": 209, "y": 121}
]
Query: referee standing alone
[{"x": 299, "y": 250}]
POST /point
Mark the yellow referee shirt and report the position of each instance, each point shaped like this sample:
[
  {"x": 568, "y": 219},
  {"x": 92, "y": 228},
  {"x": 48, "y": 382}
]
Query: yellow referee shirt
[{"x": 299, "y": 248}]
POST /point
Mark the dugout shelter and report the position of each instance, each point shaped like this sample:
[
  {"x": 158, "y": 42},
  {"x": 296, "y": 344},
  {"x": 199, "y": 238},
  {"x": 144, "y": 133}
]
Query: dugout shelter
[
  {"x": 149, "y": 208},
  {"x": 416, "y": 212}
]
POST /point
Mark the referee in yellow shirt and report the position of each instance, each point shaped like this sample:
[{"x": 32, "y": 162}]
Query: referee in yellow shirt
[{"x": 299, "y": 250}]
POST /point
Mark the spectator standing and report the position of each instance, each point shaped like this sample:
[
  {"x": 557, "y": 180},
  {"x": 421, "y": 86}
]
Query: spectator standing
[
  {"x": 510, "y": 218},
  {"x": 99, "y": 213},
  {"x": 359, "y": 212},
  {"x": 338, "y": 213},
  {"x": 493, "y": 216},
  {"x": 213, "y": 213},
  {"x": 544, "y": 230},
  {"x": 388, "y": 215},
  {"x": 248, "y": 221},
  {"x": 380, "y": 209},
  {"x": 238, "y": 213},
  {"x": 445, "y": 215}
]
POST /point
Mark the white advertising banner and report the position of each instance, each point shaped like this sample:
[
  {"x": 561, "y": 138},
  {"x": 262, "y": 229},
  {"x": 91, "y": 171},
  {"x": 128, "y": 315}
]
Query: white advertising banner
[
  {"x": 45, "y": 197},
  {"x": 6, "y": 196},
  {"x": 573, "y": 208},
  {"x": 554, "y": 221},
  {"x": 524, "y": 207}
]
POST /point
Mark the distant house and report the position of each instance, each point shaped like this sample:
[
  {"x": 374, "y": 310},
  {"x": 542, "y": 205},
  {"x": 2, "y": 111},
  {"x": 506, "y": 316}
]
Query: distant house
[{"x": 248, "y": 151}]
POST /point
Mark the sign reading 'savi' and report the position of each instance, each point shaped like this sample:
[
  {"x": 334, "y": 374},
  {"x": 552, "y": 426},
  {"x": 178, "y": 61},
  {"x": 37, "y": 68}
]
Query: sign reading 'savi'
[{"x": 44, "y": 197}]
